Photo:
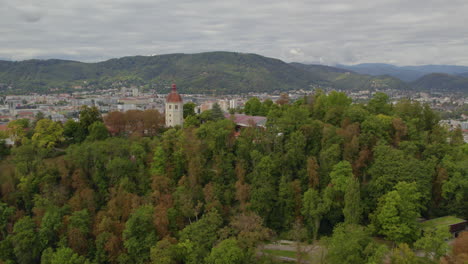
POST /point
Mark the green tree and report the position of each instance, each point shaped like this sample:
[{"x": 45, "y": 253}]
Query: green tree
[
  {"x": 433, "y": 243},
  {"x": 17, "y": 129},
  {"x": 352, "y": 210},
  {"x": 328, "y": 158},
  {"x": 404, "y": 255},
  {"x": 192, "y": 121},
  {"x": 189, "y": 109},
  {"x": 455, "y": 190},
  {"x": 199, "y": 237},
  {"x": 5, "y": 213},
  {"x": 97, "y": 131},
  {"x": 456, "y": 137},
  {"x": 353, "y": 244},
  {"x": 51, "y": 224},
  {"x": 376, "y": 128},
  {"x": 165, "y": 252},
  {"x": 216, "y": 113},
  {"x": 392, "y": 166},
  {"x": 356, "y": 113},
  {"x": 47, "y": 133},
  {"x": 63, "y": 255},
  {"x": 139, "y": 234},
  {"x": 253, "y": 106},
  {"x": 40, "y": 115},
  {"x": 25, "y": 239},
  {"x": 341, "y": 176},
  {"x": 227, "y": 252},
  {"x": 4, "y": 150},
  {"x": 396, "y": 216},
  {"x": 315, "y": 206},
  {"x": 379, "y": 104},
  {"x": 89, "y": 115},
  {"x": 263, "y": 189},
  {"x": 73, "y": 132}
]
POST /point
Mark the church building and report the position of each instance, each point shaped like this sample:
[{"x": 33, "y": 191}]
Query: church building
[{"x": 174, "y": 108}]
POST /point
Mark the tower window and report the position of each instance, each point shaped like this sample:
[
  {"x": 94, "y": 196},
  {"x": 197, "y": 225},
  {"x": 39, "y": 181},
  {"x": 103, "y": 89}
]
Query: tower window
[
  {"x": 176, "y": 107},
  {"x": 170, "y": 106}
]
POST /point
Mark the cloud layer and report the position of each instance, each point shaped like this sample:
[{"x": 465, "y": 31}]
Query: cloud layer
[{"x": 317, "y": 31}]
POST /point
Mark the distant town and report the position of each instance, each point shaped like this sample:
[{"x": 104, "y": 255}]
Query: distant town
[{"x": 64, "y": 106}]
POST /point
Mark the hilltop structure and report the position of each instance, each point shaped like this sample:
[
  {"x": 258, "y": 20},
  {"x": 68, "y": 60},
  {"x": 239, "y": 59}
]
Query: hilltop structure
[{"x": 174, "y": 108}]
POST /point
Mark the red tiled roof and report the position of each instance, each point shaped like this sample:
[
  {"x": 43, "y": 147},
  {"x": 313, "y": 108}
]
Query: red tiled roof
[
  {"x": 25, "y": 113},
  {"x": 247, "y": 120},
  {"x": 3, "y": 127},
  {"x": 174, "y": 96}
]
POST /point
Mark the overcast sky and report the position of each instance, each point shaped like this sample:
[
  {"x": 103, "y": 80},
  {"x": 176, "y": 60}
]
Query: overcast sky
[{"x": 402, "y": 32}]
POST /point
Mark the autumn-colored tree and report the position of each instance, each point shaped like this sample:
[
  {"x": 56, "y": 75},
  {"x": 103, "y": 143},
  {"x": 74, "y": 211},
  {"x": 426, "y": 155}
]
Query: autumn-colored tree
[
  {"x": 78, "y": 231},
  {"x": 116, "y": 122},
  {"x": 249, "y": 229},
  {"x": 312, "y": 172},
  {"x": 283, "y": 99},
  {"x": 162, "y": 196},
  {"x": 242, "y": 188},
  {"x": 459, "y": 252}
]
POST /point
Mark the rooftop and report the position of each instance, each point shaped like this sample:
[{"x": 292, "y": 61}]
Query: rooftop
[
  {"x": 174, "y": 96},
  {"x": 442, "y": 221},
  {"x": 246, "y": 120}
]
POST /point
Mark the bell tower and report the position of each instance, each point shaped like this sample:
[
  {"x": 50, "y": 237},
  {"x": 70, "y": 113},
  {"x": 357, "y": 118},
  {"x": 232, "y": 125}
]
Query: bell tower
[{"x": 174, "y": 108}]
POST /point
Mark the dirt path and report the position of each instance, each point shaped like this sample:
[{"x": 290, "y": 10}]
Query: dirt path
[{"x": 313, "y": 253}]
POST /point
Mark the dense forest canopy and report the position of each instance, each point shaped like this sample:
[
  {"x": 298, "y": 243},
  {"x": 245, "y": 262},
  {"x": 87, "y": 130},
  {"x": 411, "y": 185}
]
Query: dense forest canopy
[{"x": 124, "y": 189}]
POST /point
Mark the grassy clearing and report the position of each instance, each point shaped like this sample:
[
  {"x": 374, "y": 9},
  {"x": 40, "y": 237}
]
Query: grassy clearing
[{"x": 280, "y": 253}]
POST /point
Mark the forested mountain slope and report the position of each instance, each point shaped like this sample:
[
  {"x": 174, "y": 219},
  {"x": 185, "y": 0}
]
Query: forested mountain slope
[
  {"x": 211, "y": 72},
  {"x": 223, "y": 72},
  {"x": 442, "y": 82}
]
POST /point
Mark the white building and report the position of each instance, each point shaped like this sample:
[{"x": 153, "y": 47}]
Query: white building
[
  {"x": 224, "y": 105},
  {"x": 174, "y": 108},
  {"x": 233, "y": 103}
]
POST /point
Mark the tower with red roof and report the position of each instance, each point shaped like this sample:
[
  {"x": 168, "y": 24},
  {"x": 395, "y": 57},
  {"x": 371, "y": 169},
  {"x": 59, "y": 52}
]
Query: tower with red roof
[{"x": 174, "y": 108}]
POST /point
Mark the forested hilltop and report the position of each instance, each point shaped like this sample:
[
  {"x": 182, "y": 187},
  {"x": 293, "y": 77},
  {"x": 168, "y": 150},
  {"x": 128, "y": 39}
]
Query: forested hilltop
[
  {"x": 353, "y": 179},
  {"x": 210, "y": 72}
]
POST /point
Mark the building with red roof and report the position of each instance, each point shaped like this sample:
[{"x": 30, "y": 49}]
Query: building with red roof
[{"x": 174, "y": 108}]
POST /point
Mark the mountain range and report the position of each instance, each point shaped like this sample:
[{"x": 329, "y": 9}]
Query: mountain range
[
  {"x": 405, "y": 73},
  {"x": 221, "y": 73}
]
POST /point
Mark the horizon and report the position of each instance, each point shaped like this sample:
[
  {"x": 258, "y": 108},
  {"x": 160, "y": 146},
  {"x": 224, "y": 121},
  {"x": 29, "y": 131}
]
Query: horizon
[{"x": 214, "y": 51}]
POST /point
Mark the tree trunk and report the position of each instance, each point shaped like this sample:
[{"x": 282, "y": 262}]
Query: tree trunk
[{"x": 316, "y": 227}]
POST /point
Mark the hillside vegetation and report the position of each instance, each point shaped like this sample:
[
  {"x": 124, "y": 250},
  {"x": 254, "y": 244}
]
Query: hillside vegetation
[
  {"x": 212, "y": 72},
  {"x": 442, "y": 82},
  {"x": 221, "y": 72}
]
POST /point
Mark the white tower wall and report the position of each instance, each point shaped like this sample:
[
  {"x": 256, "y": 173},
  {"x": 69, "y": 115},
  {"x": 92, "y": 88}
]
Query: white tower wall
[{"x": 174, "y": 114}]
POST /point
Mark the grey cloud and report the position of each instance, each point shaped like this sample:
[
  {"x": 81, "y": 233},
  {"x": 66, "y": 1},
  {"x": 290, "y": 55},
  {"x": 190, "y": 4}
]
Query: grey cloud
[
  {"x": 333, "y": 31},
  {"x": 26, "y": 11}
]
